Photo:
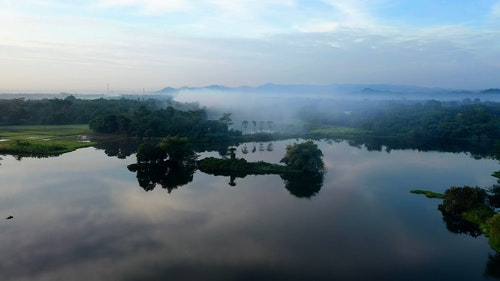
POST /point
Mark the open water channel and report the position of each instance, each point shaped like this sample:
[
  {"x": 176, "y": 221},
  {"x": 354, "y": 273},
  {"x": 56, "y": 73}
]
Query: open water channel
[{"x": 83, "y": 216}]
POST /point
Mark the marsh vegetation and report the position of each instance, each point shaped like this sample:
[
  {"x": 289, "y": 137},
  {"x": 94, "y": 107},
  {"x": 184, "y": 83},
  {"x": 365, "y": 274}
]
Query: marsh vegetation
[{"x": 40, "y": 140}]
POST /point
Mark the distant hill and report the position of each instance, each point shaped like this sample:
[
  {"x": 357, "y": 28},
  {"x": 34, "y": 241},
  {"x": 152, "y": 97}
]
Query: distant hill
[
  {"x": 168, "y": 90},
  {"x": 321, "y": 89},
  {"x": 354, "y": 91},
  {"x": 491, "y": 91},
  {"x": 350, "y": 91}
]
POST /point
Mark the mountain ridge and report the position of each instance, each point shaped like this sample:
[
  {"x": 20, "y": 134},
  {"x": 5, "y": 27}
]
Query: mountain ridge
[{"x": 331, "y": 88}]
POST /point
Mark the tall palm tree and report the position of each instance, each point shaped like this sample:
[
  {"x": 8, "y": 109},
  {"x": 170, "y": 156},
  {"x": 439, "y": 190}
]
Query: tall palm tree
[
  {"x": 270, "y": 125},
  {"x": 244, "y": 124},
  {"x": 261, "y": 125}
]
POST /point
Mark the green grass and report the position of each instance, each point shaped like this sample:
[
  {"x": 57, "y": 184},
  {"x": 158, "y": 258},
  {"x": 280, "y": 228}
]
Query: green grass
[
  {"x": 42, "y": 131},
  {"x": 43, "y": 139},
  {"x": 428, "y": 194},
  {"x": 338, "y": 132}
]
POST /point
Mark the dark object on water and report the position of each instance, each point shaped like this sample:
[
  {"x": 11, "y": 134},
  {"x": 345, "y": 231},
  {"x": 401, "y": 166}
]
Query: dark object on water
[{"x": 9, "y": 217}]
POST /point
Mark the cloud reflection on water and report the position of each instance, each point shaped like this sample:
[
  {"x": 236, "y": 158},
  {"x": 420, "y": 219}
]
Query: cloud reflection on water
[{"x": 82, "y": 216}]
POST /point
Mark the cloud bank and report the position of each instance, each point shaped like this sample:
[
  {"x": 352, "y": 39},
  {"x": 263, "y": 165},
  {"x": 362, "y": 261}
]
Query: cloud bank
[{"x": 135, "y": 44}]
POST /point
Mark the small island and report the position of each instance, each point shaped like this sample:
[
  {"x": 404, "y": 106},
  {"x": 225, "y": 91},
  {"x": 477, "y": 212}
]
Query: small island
[
  {"x": 470, "y": 210},
  {"x": 428, "y": 193},
  {"x": 302, "y": 170},
  {"x": 303, "y": 158},
  {"x": 172, "y": 163}
]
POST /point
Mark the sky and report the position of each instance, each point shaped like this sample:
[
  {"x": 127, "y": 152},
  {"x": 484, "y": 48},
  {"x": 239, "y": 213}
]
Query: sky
[{"x": 145, "y": 45}]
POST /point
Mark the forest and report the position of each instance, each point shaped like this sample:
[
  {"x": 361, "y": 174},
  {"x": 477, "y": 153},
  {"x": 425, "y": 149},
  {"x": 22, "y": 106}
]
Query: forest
[
  {"x": 71, "y": 110},
  {"x": 445, "y": 120},
  {"x": 128, "y": 117},
  {"x": 425, "y": 125},
  {"x": 453, "y": 126}
]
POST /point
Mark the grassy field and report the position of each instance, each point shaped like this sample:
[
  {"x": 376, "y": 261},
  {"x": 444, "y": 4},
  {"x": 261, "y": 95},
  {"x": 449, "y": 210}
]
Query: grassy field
[
  {"x": 338, "y": 132},
  {"x": 43, "y": 139}
]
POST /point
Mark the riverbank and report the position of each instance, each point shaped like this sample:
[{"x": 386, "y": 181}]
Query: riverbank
[{"x": 42, "y": 140}]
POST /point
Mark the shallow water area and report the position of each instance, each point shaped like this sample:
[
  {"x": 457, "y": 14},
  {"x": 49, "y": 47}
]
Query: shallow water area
[{"x": 83, "y": 216}]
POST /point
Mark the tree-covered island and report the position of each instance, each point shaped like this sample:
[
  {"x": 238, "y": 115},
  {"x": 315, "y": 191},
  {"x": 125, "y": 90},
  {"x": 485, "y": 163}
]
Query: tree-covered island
[
  {"x": 302, "y": 172},
  {"x": 305, "y": 158},
  {"x": 471, "y": 210},
  {"x": 172, "y": 162}
]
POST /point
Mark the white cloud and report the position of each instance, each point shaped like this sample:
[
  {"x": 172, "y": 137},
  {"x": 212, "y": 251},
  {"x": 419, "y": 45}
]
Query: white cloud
[
  {"x": 235, "y": 42},
  {"x": 354, "y": 13},
  {"x": 318, "y": 27},
  {"x": 149, "y": 6},
  {"x": 251, "y": 6},
  {"x": 495, "y": 9}
]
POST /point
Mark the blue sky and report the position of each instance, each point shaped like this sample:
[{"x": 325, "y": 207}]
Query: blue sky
[{"x": 80, "y": 46}]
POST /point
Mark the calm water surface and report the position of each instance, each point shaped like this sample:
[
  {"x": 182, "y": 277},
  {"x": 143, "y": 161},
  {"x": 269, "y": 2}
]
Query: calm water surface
[{"x": 83, "y": 216}]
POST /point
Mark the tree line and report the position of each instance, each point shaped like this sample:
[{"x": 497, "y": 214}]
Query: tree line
[
  {"x": 164, "y": 122},
  {"x": 130, "y": 117},
  {"x": 472, "y": 121},
  {"x": 421, "y": 122},
  {"x": 70, "y": 110},
  {"x": 262, "y": 126}
]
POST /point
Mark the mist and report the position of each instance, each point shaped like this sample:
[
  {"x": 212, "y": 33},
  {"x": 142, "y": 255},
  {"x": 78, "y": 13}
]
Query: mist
[
  {"x": 280, "y": 109},
  {"x": 286, "y": 105}
]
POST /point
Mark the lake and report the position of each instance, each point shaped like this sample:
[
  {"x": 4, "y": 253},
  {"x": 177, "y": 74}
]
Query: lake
[{"x": 83, "y": 216}]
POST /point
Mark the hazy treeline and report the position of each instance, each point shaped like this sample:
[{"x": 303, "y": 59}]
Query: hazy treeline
[
  {"x": 131, "y": 117},
  {"x": 162, "y": 122},
  {"x": 71, "y": 110},
  {"x": 419, "y": 120}
]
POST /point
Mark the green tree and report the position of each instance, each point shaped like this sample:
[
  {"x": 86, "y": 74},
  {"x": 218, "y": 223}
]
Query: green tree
[
  {"x": 494, "y": 232},
  {"x": 461, "y": 199},
  {"x": 226, "y": 119},
  {"x": 306, "y": 157},
  {"x": 170, "y": 163},
  {"x": 177, "y": 150},
  {"x": 465, "y": 210}
]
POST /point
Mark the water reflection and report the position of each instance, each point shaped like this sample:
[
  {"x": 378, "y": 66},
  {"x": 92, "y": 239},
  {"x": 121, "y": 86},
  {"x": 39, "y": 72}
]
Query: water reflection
[
  {"x": 298, "y": 184},
  {"x": 170, "y": 163},
  {"x": 169, "y": 176},
  {"x": 493, "y": 266},
  {"x": 477, "y": 149},
  {"x": 303, "y": 185},
  {"x": 150, "y": 175},
  {"x": 81, "y": 216},
  {"x": 270, "y": 147},
  {"x": 470, "y": 210},
  {"x": 121, "y": 148},
  {"x": 244, "y": 149},
  {"x": 456, "y": 224}
]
